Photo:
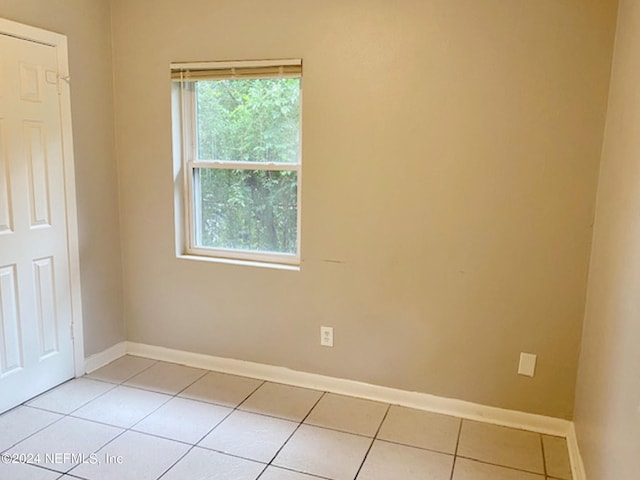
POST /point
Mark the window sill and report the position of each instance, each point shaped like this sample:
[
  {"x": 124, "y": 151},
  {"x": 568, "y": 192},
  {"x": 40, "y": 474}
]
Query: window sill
[{"x": 246, "y": 263}]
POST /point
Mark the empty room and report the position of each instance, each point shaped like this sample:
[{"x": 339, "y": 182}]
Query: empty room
[{"x": 332, "y": 239}]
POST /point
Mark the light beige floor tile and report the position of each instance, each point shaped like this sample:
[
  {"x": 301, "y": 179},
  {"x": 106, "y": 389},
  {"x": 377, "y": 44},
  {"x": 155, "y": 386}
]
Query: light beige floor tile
[
  {"x": 71, "y": 395},
  {"x": 390, "y": 461},
  {"x": 472, "y": 470},
  {"x": 324, "y": 452},
  {"x": 22, "y": 471},
  {"x": 121, "y": 369},
  {"x": 348, "y": 414},
  {"x": 201, "y": 464},
  {"x": 556, "y": 456},
  {"x": 143, "y": 458},
  {"x": 501, "y": 446},
  {"x": 68, "y": 436},
  {"x": 284, "y": 401},
  {"x": 122, "y": 406},
  {"x": 257, "y": 431},
  {"x": 166, "y": 378},
  {"x": 184, "y": 420},
  {"x": 277, "y": 473},
  {"x": 223, "y": 389},
  {"x": 421, "y": 429},
  {"x": 19, "y": 423},
  {"x": 250, "y": 435}
]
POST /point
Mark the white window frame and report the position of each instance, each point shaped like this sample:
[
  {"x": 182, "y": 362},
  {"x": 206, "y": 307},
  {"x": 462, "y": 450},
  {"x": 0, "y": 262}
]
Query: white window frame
[{"x": 186, "y": 146}]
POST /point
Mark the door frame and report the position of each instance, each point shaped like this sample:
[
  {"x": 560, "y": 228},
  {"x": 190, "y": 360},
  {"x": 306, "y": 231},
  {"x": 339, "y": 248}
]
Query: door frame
[{"x": 59, "y": 42}]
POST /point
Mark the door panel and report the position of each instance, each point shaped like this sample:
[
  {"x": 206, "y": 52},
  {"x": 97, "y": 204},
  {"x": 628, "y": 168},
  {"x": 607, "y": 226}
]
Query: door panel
[
  {"x": 11, "y": 345},
  {"x": 35, "y": 147},
  {"x": 6, "y": 225},
  {"x": 36, "y": 347},
  {"x": 44, "y": 286}
]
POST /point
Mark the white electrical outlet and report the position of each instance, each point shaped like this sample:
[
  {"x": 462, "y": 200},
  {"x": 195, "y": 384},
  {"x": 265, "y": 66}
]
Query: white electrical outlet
[
  {"x": 326, "y": 336},
  {"x": 527, "y": 364}
]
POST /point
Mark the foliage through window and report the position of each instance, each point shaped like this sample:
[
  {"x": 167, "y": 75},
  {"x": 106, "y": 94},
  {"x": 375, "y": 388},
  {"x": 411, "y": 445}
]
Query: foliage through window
[{"x": 240, "y": 129}]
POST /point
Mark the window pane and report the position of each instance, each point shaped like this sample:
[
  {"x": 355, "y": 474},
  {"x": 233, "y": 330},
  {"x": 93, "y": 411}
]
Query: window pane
[
  {"x": 246, "y": 209},
  {"x": 249, "y": 120}
]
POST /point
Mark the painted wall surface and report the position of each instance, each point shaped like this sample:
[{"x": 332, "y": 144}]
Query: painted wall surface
[
  {"x": 87, "y": 24},
  {"x": 608, "y": 394},
  {"x": 450, "y": 162}
]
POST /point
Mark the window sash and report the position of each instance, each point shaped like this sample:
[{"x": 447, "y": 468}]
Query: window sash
[
  {"x": 233, "y": 165},
  {"x": 193, "y": 212}
]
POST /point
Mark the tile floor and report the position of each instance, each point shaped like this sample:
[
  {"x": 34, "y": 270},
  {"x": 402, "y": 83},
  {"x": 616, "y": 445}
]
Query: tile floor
[{"x": 139, "y": 419}]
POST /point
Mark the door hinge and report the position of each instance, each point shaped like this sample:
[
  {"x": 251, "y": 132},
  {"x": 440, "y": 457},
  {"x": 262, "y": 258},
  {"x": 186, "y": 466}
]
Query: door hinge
[{"x": 71, "y": 331}]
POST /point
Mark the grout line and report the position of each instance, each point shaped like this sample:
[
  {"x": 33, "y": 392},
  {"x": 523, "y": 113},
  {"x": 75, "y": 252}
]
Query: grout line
[
  {"x": 262, "y": 472},
  {"x": 453, "y": 467},
  {"x": 101, "y": 380},
  {"x": 289, "y": 469},
  {"x": 88, "y": 375},
  {"x": 275, "y": 417},
  {"x": 455, "y": 452},
  {"x": 375, "y": 436},
  {"x": 204, "y": 374},
  {"x": 208, "y": 449},
  {"x": 544, "y": 457},
  {"x": 71, "y": 475},
  {"x": 296, "y": 429},
  {"x": 237, "y": 407},
  {"x": 412, "y": 446},
  {"x": 333, "y": 429},
  {"x": 515, "y": 469}
]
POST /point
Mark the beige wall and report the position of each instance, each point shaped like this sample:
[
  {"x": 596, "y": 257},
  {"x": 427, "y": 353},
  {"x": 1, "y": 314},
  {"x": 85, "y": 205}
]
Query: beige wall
[
  {"x": 87, "y": 24},
  {"x": 608, "y": 394},
  {"x": 450, "y": 156}
]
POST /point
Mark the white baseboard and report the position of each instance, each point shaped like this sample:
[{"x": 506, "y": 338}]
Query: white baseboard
[
  {"x": 422, "y": 401},
  {"x": 577, "y": 466},
  {"x": 101, "y": 359}
]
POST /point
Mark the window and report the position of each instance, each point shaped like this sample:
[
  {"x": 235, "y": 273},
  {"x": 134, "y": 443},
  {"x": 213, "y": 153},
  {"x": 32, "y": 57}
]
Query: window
[{"x": 237, "y": 136}]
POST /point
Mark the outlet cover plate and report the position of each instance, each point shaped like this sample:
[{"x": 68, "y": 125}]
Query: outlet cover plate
[
  {"x": 326, "y": 336},
  {"x": 527, "y": 365}
]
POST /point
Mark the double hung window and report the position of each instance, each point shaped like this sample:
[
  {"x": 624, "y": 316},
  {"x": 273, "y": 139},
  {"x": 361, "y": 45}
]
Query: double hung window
[{"x": 239, "y": 141}]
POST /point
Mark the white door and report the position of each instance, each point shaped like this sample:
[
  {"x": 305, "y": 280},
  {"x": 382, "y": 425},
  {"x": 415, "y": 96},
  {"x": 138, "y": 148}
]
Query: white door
[{"x": 36, "y": 342}]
